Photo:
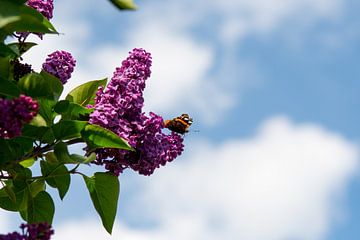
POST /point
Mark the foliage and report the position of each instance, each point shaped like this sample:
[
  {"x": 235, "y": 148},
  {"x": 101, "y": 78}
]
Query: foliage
[{"x": 44, "y": 126}]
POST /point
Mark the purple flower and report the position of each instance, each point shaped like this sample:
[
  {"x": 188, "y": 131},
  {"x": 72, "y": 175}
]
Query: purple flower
[
  {"x": 20, "y": 69},
  {"x": 15, "y": 113},
  {"x": 119, "y": 109},
  {"x": 12, "y": 236},
  {"x": 60, "y": 64},
  {"x": 35, "y": 231},
  {"x": 45, "y": 7}
]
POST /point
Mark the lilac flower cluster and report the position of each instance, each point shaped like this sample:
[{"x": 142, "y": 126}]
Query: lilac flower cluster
[
  {"x": 35, "y": 231},
  {"x": 20, "y": 69},
  {"x": 15, "y": 113},
  {"x": 119, "y": 109},
  {"x": 45, "y": 7},
  {"x": 60, "y": 64}
]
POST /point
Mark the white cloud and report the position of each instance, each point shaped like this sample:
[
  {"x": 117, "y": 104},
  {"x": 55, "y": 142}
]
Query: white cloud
[
  {"x": 236, "y": 19},
  {"x": 5, "y": 222},
  {"x": 180, "y": 64},
  {"x": 285, "y": 182},
  {"x": 189, "y": 74},
  {"x": 93, "y": 230},
  {"x": 241, "y": 17}
]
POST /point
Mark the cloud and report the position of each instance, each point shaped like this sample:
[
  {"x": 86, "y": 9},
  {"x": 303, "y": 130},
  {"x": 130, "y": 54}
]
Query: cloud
[
  {"x": 288, "y": 181},
  {"x": 180, "y": 63},
  {"x": 241, "y": 18},
  {"x": 236, "y": 19},
  {"x": 5, "y": 223},
  {"x": 190, "y": 72},
  {"x": 91, "y": 229}
]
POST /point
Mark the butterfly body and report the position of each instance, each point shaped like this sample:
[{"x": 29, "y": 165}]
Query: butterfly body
[{"x": 179, "y": 124}]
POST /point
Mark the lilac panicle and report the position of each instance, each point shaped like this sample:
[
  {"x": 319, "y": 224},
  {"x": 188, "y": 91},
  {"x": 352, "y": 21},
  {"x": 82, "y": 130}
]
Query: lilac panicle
[
  {"x": 35, "y": 231},
  {"x": 60, "y": 64},
  {"x": 119, "y": 109},
  {"x": 20, "y": 69},
  {"x": 45, "y": 7},
  {"x": 15, "y": 113}
]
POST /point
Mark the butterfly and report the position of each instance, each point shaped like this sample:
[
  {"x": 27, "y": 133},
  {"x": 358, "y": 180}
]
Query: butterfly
[{"x": 179, "y": 124}]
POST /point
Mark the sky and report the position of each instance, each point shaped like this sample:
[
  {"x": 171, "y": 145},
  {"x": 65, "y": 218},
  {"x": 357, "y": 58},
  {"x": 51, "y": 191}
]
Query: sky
[{"x": 272, "y": 86}]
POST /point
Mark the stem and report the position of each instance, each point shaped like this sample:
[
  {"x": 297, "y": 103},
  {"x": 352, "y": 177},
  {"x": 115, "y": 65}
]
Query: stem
[
  {"x": 40, "y": 150},
  {"x": 72, "y": 171},
  {"x": 54, "y": 175}
]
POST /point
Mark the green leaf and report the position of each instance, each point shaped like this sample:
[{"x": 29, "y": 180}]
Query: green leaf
[
  {"x": 61, "y": 106},
  {"x": 36, "y": 187},
  {"x": 99, "y": 137},
  {"x": 21, "y": 18},
  {"x": 124, "y": 4},
  {"x": 6, "y": 51},
  {"x": 14, "y": 197},
  {"x": 9, "y": 13},
  {"x": 42, "y": 134},
  {"x": 81, "y": 159},
  {"x": 21, "y": 48},
  {"x": 68, "y": 129},
  {"x": 104, "y": 191},
  {"x": 27, "y": 163},
  {"x": 4, "y": 68},
  {"x": 36, "y": 22},
  {"x": 18, "y": 2},
  {"x": 55, "y": 84},
  {"x": 8, "y": 88},
  {"x": 62, "y": 155},
  {"x": 61, "y": 152},
  {"x": 13, "y": 149},
  {"x": 10, "y": 192},
  {"x": 46, "y": 110},
  {"x": 57, "y": 176},
  {"x": 76, "y": 112},
  {"x": 41, "y": 86},
  {"x": 51, "y": 158},
  {"x": 85, "y": 93},
  {"x": 20, "y": 174},
  {"x": 38, "y": 121},
  {"x": 41, "y": 208},
  {"x": 9, "y": 204}
]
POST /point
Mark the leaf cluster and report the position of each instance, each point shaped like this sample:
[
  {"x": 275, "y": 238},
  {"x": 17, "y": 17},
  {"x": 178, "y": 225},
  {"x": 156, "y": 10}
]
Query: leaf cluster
[{"x": 60, "y": 123}]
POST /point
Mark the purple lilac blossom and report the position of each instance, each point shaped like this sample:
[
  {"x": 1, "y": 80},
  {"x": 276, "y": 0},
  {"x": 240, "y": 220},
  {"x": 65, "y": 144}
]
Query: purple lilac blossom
[
  {"x": 119, "y": 109},
  {"x": 15, "y": 113},
  {"x": 20, "y": 69},
  {"x": 35, "y": 231},
  {"x": 45, "y": 7},
  {"x": 60, "y": 64}
]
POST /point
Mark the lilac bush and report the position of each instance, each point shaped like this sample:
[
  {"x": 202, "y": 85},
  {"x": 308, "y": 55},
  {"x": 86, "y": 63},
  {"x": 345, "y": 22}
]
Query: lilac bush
[
  {"x": 108, "y": 119},
  {"x": 119, "y": 109}
]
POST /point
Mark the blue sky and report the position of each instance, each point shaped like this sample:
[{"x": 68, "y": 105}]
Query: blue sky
[{"x": 273, "y": 90}]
